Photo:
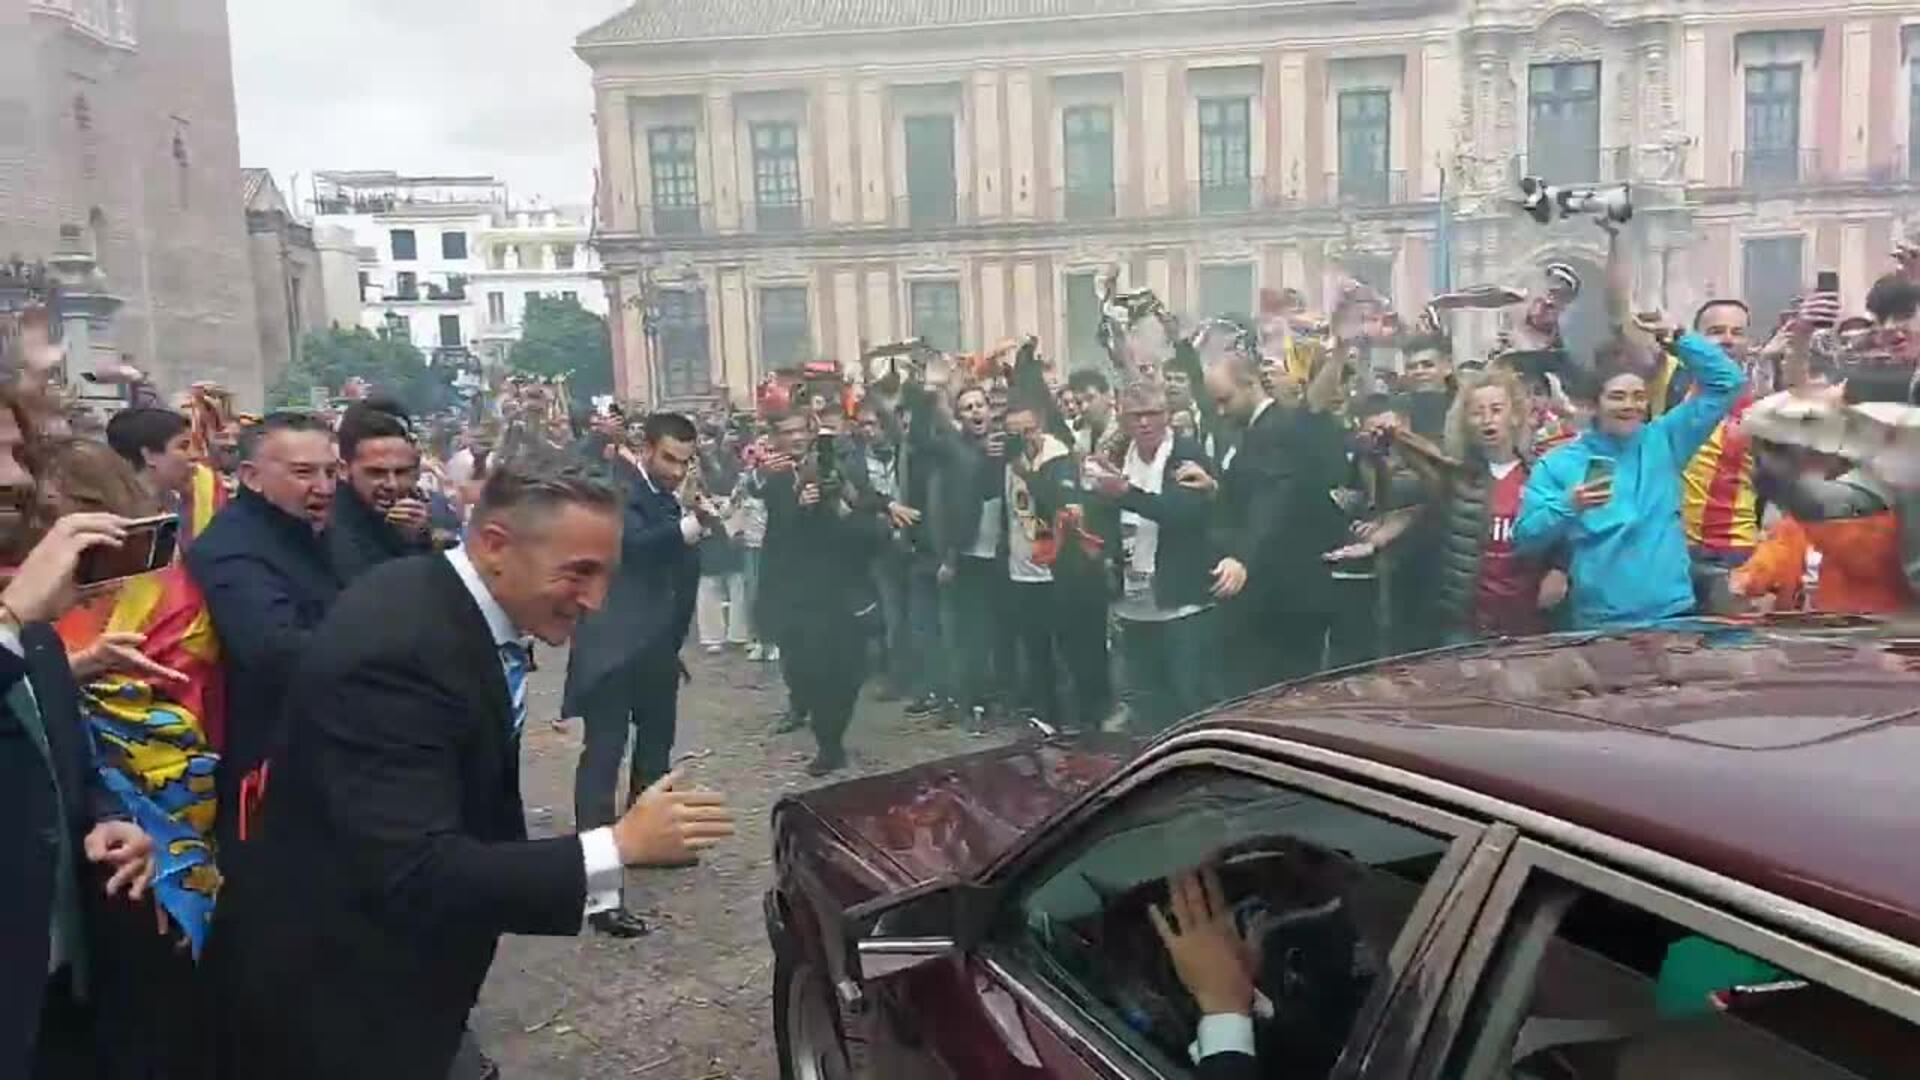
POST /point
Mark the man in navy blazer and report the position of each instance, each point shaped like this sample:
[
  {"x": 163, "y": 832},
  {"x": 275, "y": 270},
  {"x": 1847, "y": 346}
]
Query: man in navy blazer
[{"x": 624, "y": 670}]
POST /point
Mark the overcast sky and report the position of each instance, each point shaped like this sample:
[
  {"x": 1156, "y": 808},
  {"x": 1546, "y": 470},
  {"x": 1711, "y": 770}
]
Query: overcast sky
[{"x": 419, "y": 86}]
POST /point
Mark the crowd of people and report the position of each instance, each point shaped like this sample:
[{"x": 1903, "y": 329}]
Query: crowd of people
[{"x": 283, "y": 764}]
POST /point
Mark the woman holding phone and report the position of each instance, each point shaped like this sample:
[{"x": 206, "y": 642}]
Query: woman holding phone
[{"x": 1612, "y": 495}]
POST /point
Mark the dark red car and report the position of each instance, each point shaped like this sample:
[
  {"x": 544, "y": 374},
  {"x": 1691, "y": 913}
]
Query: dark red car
[{"x": 1684, "y": 853}]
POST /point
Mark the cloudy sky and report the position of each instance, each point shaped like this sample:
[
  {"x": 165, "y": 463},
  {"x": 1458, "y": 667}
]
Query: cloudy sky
[{"x": 419, "y": 86}]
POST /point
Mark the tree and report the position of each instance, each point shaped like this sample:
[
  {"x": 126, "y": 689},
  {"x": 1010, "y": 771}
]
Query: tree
[
  {"x": 389, "y": 363},
  {"x": 559, "y": 337}
]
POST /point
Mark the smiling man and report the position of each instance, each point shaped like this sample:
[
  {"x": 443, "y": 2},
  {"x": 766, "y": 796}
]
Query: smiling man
[
  {"x": 379, "y": 514},
  {"x": 394, "y": 852}
]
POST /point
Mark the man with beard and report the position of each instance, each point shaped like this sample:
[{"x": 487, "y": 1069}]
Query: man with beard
[
  {"x": 379, "y": 514},
  {"x": 623, "y": 676},
  {"x": 1275, "y": 517},
  {"x": 394, "y": 852},
  {"x": 1095, "y": 397},
  {"x": 268, "y": 581},
  {"x": 61, "y": 815}
]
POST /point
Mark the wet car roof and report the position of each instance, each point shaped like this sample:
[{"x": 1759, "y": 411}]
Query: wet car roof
[{"x": 1785, "y": 754}]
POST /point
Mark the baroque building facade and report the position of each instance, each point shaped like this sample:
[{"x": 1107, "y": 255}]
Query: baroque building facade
[{"x": 792, "y": 181}]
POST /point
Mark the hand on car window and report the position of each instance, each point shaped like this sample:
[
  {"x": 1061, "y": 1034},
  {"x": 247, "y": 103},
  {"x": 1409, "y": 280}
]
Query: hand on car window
[{"x": 1206, "y": 949}]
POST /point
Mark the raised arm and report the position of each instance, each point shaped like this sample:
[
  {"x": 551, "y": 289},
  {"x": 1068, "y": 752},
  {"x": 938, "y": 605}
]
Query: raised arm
[{"x": 1717, "y": 384}]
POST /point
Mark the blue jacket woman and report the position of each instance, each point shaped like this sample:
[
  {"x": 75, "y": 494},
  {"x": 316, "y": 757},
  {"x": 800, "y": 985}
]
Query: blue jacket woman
[{"x": 1612, "y": 495}]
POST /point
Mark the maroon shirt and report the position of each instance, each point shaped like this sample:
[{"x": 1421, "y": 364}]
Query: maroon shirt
[{"x": 1507, "y": 596}]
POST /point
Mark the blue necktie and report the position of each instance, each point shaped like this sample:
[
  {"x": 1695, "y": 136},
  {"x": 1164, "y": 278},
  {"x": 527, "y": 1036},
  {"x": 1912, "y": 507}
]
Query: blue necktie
[{"x": 515, "y": 660}]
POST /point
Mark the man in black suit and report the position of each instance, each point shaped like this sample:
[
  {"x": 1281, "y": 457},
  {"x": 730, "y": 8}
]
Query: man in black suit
[
  {"x": 268, "y": 581},
  {"x": 393, "y": 850},
  {"x": 1275, "y": 518},
  {"x": 378, "y": 513},
  {"x": 624, "y": 672},
  {"x": 60, "y": 816}
]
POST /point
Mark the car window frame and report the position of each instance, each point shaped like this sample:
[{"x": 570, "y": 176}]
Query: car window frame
[
  {"x": 1534, "y": 858},
  {"x": 1475, "y": 850}
]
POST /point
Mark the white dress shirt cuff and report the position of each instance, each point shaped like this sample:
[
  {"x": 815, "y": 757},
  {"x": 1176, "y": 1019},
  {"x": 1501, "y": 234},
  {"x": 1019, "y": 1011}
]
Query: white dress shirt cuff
[
  {"x": 691, "y": 530},
  {"x": 1223, "y": 1033},
  {"x": 10, "y": 640},
  {"x": 605, "y": 874}
]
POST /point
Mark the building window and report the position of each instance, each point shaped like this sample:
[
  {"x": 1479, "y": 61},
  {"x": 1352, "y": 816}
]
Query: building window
[
  {"x": 563, "y": 255},
  {"x": 931, "y": 191},
  {"x": 786, "y": 337},
  {"x": 1225, "y": 154},
  {"x": 1773, "y": 275},
  {"x": 400, "y": 327},
  {"x": 366, "y": 281},
  {"x": 1373, "y": 271},
  {"x": 453, "y": 245},
  {"x": 1366, "y": 131},
  {"x": 1226, "y": 290},
  {"x": 1086, "y": 135},
  {"x": 570, "y": 296},
  {"x": 1563, "y": 122},
  {"x": 1083, "y": 323},
  {"x": 496, "y": 309},
  {"x": 1773, "y": 125},
  {"x": 776, "y": 176},
  {"x": 936, "y": 313},
  {"x": 685, "y": 370},
  {"x": 1913, "y": 120},
  {"x": 450, "y": 332},
  {"x": 406, "y": 285},
  {"x": 403, "y": 245},
  {"x": 676, "y": 188}
]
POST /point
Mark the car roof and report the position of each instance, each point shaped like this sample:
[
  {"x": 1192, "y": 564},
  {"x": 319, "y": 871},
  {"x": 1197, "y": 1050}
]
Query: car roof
[{"x": 1783, "y": 753}]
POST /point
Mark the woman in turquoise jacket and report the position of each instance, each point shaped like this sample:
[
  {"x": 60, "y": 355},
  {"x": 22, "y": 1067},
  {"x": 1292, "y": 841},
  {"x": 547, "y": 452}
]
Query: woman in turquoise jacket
[{"x": 1612, "y": 496}]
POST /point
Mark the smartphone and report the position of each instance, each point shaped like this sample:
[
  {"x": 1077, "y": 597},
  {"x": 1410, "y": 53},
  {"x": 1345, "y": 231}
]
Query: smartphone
[
  {"x": 1016, "y": 444},
  {"x": 150, "y": 544},
  {"x": 1826, "y": 281},
  {"x": 826, "y": 459},
  {"x": 1600, "y": 471}
]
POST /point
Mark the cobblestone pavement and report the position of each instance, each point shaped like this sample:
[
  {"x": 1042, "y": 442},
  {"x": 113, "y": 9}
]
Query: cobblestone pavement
[{"x": 692, "y": 1000}]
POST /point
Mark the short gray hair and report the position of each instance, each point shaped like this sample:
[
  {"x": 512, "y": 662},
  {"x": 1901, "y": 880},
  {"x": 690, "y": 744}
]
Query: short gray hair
[{"x": 539, "y": 485}]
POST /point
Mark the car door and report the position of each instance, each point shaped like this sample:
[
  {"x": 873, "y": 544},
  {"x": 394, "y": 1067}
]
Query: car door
[
  {"x": 1580, "y": 970},
  {"x": 1352, "y": 904}
]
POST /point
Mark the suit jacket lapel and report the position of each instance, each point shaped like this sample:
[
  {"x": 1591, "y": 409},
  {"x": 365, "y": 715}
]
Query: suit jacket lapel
[{"x": 478, "y": 653}]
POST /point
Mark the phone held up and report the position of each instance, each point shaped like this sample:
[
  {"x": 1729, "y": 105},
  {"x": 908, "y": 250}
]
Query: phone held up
[
  {"x": 1600, "y": 472},
  {"x": 150, "y": 544}
]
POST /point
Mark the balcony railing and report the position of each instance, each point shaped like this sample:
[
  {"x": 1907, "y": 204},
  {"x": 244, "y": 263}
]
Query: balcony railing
[
  {"x": 1088, "y": 203},
  {"x": 1226, "y": 198},
  {"x": 1765, "y": 169},
  {"x": 1371, "y": 188},
  {"x": 931, "y": 209},
  {"x": 775, "y": 217},
  {"x": 672, "y": 220},
  {"x": 1580, "y": 165}
]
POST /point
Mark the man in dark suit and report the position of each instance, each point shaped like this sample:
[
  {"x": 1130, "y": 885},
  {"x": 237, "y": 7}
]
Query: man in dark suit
[
  {"x": 378, "y": 513},
  {"x": 60, "y": 816},
  {"x": 268, "y": 581},
  {"x": 393, "y": 850},
  {"x": 624, "y": 672},
  {"x": 1275, "y": 518}
]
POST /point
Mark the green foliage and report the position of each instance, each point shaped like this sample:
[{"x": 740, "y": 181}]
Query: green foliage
[
  {"x": 390, "y": 364},
  {"x": 559, "y": 336}
]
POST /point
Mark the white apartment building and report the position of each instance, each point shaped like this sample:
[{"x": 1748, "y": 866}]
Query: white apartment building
[{"x": 447, "y": 261}]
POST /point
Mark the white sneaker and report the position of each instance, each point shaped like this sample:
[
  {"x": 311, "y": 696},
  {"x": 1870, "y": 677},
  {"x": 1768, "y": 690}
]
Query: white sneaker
[
  {"x": 773, "y": 654},
  {"x": 756, "y": 651},
  {"x": 714, "y": 650}
]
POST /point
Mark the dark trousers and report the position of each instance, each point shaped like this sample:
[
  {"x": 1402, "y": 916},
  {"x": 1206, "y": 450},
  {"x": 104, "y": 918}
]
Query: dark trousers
[
  {"x": 1356, "y": 636},
  {"x": 159, "y": 1002},
  {"x": 64, "y": 1049},
  {"x": 642, "y": 697},
  {"x": 925, "y": 645},
  {"x": 1173, "y": 669},
  {"x": 889, "y": 573},
  {"x": 824, "y": 664},
  {"x": 1062, "y": 629},
  {"x": 1268, "y": 648},
  {"x": 982, "y": 652},
  {"x": 1712, "y": 573}
]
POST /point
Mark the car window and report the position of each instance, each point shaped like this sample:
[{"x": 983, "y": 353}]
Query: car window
[
  {"x": 1586, "y": 986},
  {"x": 1319, "y": 893}
]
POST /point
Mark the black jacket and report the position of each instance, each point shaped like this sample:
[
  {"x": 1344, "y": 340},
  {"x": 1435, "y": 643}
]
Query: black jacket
[
  {"x": 813, "y": 568},
  {"x": 650, "y": 603},
  {"x": 1185, "y": 555},
  {"x": 1275, "y": 511},
  {"x": 392, "y": 852},
  {"x": 48, "y": 792},
  {"x": 957, "y": 472},
  {"x": 360, "y": 538},
  {"x": 268, "y": 582}
]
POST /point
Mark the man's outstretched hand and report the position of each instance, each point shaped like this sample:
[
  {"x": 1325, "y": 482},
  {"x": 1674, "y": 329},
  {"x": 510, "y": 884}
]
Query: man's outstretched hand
[
  {"x": 1204, "y": 945},
  {"x": 670, "y": 823}
]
